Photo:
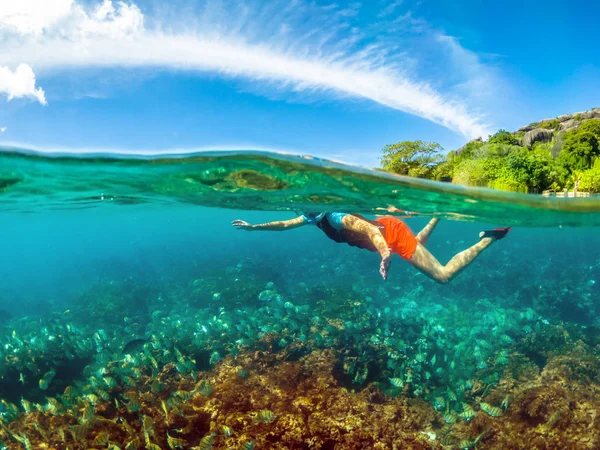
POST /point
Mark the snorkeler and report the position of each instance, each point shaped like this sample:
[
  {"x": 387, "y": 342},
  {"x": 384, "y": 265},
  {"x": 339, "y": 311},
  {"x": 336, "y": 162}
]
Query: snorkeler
[{"x": 385, "y": 235}]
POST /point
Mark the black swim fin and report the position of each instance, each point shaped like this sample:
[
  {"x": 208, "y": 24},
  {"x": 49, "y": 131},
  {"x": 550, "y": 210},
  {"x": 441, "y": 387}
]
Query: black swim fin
[{"x": 496, "y": 234}]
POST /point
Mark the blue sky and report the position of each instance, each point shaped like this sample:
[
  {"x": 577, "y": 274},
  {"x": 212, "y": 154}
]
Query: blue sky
[{"x": 338, "y": 80}]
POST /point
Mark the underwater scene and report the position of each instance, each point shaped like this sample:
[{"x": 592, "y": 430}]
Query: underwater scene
[{"x": 134, "y": 316}]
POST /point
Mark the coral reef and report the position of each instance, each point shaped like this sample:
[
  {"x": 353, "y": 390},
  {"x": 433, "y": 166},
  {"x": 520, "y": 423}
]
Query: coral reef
[
  {"x": 338, "y": 370},
  {"x": 257, "y": 397},
  {"x": 557, "y": 408},
  {"x": 267, "y": 398}
]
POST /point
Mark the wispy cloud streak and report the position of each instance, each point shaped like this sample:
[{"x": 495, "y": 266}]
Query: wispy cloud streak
[{"x": 323, "y": 53}]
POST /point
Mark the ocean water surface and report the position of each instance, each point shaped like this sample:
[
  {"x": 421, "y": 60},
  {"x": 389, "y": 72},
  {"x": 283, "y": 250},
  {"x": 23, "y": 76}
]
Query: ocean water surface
[{"x": 132, "y": 314}]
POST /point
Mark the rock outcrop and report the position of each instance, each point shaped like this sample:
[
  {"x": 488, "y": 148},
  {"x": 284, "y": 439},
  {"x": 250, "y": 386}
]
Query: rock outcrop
[
  {"x": 565, "y": 117},
  {"x": 526, "y": 128},
  {"x": 537, "y": 135},
  {"x": 550, "y": 130},
  {"x": 563, "y": 122},
  {"x": 585, "y": 115},
  {"x": 558, "y": 143},
  {"x": 569, "y": 124}
]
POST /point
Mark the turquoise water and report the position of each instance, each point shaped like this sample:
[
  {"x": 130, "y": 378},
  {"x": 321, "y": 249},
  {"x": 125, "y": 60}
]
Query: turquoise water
[{"x": 100, "y": 251}]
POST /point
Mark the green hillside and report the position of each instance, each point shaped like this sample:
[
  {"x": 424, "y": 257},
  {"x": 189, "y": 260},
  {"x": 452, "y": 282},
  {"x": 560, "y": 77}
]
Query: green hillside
[{"x": 553, "y": 154}]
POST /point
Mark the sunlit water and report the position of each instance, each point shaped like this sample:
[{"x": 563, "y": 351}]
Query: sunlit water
[{"x": 142, "y": 248}]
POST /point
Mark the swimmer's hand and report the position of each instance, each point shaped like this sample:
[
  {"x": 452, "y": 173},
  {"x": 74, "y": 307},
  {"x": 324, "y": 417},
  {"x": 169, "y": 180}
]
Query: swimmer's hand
[
  {"x": 386, "y": 260},
  {"x": 241, "y": 225}
]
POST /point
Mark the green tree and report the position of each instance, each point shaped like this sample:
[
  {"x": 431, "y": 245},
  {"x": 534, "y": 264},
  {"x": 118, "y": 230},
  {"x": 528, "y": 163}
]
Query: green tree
[
  {"x": 581, "y": 146},
  {"x": 547, "y": 172},
  {"x": 550, "y": 124},
  {"x": 503, "y": 137},
  {"x": 592, "y": 126},
  {"x": 580, "y": 149},
  {"x": 589, "y": 180},
  {"x": 477, "y": 172},
  {"x": 443, "y": 171},
  {"x": 411, "y": 157},
  {"x": 507, "y": 180},
  {"x": 495, "y": 150},
  {"x": 511, "y": 168},
  {"x": 464, "y": 152}
]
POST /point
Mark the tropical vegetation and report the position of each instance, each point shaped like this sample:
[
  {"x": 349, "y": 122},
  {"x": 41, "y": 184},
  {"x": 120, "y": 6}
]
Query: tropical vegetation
[{"x": 571, "y": 159}]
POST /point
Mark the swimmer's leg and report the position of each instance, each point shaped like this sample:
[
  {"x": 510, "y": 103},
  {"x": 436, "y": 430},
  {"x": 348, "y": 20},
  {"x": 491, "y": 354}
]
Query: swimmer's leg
[
  {"x": 424, "y": 234},
  {"x": 423, "y": 260},
  {"x": 374, "y": 234}
]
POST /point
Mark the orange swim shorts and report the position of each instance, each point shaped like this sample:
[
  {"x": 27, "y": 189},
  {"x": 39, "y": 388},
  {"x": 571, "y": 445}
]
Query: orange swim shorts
[{"x": 398, "y": 236}]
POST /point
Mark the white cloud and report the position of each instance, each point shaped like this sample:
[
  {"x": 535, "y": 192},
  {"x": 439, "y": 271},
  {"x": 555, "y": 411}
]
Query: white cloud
[
  {"x": 32, "y": 16},
  {"x": 475, "y": 78},
  {"x": 67, "y": 18},
  {"x": 2, "y": 129},
  {"x": 106, "y": 21},
  {"x": 294, "y": 47},
  {"x": 20, "y": 83}
]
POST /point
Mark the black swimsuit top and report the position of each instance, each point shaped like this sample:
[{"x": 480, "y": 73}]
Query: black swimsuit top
[{"x": 353, "y": 238}]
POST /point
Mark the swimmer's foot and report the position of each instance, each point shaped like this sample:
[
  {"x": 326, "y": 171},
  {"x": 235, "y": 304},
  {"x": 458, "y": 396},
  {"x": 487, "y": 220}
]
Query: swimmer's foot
[
  {"x": 495, "y": 234},
  {"x": 386, "y": 260}
]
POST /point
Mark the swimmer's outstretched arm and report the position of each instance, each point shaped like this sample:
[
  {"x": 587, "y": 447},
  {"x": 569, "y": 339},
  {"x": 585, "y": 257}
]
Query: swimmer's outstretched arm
[{"x": 280, "y": 225}]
